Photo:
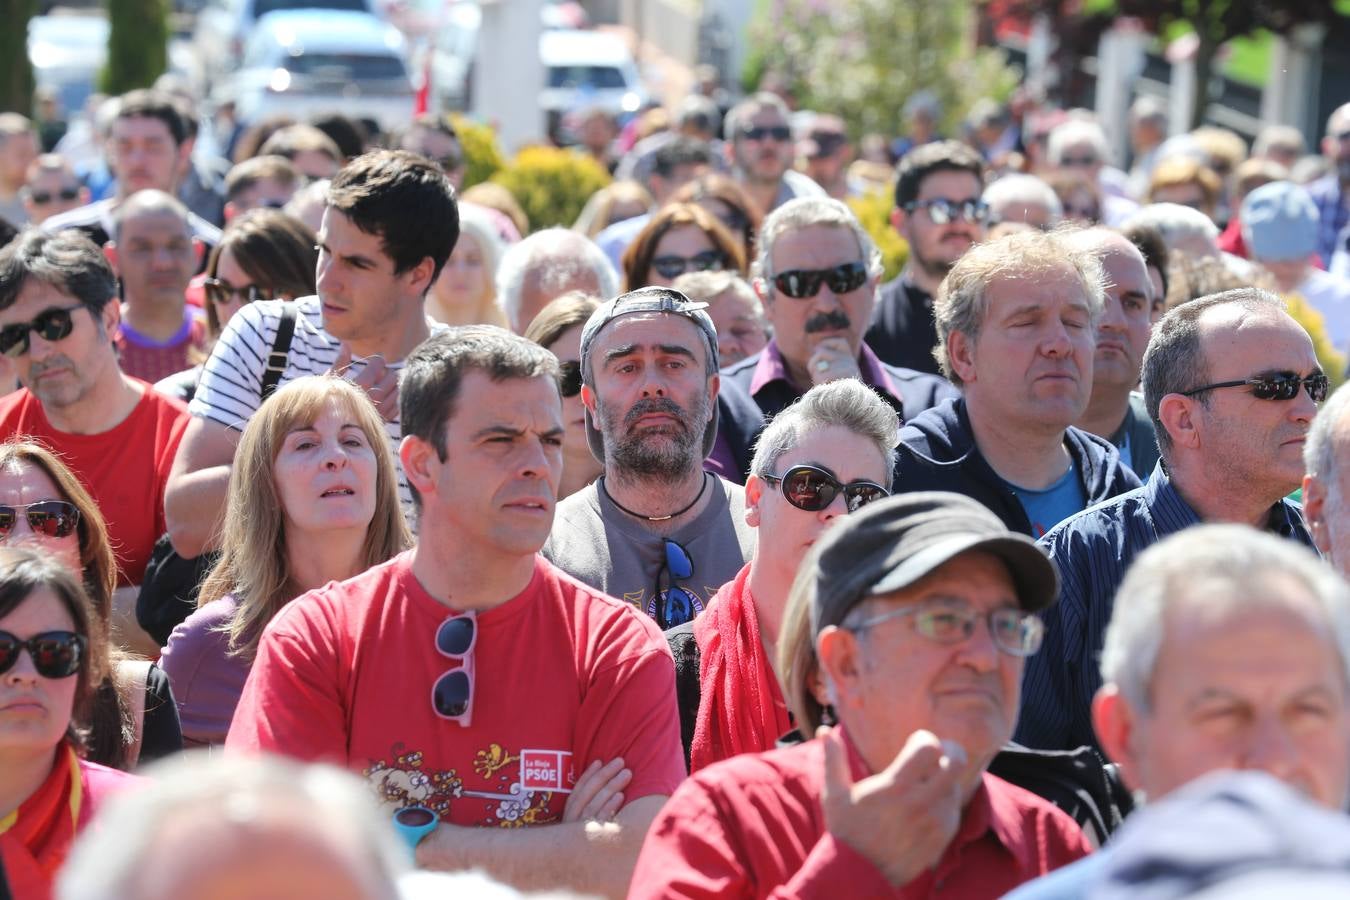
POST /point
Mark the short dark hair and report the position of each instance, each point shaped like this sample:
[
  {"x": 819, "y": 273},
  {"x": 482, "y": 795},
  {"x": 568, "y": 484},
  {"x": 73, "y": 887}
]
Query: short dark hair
[
  {"x": 682, "y": 151},
  {"x": 1150, "y": 244},
  {"x": 349, "y": 135},
  {"x": 403, "y": 198},
  {"x": 274, "y": 249},
  {"x": 251, "y": 172},
  {"x": 66, "y": 260},
  {"x": 152, "y": 104},
  {"x": 429, "y": 387},
  {"x": 926, "y": 159}
]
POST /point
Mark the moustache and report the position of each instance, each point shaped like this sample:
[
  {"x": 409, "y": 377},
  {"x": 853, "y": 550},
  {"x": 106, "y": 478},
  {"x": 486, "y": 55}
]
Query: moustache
[
  {"x": 834, "y": 320},
  {"x": 38, "y": 369},
  {"x": 654, "y": 405}
]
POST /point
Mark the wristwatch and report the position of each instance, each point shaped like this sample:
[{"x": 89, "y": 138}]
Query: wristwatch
[{"x": 414, "y": 823}]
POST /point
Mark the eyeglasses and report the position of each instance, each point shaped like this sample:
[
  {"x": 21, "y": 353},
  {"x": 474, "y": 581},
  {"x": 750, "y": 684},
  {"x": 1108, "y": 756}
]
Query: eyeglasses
[
  {"x": 1276, "y": 386},
  {"x": 569, "y": 378},
  {"x": 943, "y": 211},
  {"x": 56, "y": 654},
  {"x": 42, "y": 198},
  {"x": 49, "y": 518},
  {"x": 221, "y": 291},
  {"x": 675, "y": 266},
  {"x": 951, "y": 621},
  {"x": 452, "y": 694},
  {"x": 1078, "y": 162},
  {"x": 51, "y": 325},
  {"x": 800, "y": 284},
  {"x": 813, "y": 489},
  {"x": 779, "y": 133},
  {"x": 675, "y": 605}
]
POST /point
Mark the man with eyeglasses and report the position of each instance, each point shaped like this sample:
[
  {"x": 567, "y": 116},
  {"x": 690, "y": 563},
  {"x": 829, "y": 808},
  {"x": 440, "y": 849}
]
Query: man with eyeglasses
[
  {"x": 51, "y": 188},
  {"x": 514, "y": 719},
  {"x": 761, "y": 150},
  {"x": 654, "y": 529},
  {"x": 435, "y": 137},
  {"x": 939, "y": 213},
  {"x": 827, "y": 455},
  {"x": 817, "y": 271},
  {"x": 1016, "y": 322},
  {"x": 261, "y": 182},
  {"x": 911, "y": 621},
  {"x": 1232, "y": 384},
  {"x": 1226, "y": 649},
  {"x": 59, "y": 317},
  {"x": 1329, "y": 192}
]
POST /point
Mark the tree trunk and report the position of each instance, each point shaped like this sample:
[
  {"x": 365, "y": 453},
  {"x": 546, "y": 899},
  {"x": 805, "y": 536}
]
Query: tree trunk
[
  {"x": 16, "y": 74},
  {"x": 1204, "y": 71},
  {"x": 138, "y": 44}
]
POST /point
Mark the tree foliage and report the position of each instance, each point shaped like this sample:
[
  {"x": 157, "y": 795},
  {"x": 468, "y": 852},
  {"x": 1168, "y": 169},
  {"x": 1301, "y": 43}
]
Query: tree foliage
[
  {"x": 551, "y": 184},
  {"x": 16, "y": 74},
  {"x": 138, "y": 44},
  {"x": 861, "y": 59}
]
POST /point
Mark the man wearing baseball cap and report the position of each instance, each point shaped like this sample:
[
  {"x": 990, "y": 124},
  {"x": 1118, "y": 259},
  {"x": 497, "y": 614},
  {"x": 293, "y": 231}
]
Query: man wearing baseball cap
[
  {"x": 655, "y": 529},
  {"x": 907, "y": 626}
]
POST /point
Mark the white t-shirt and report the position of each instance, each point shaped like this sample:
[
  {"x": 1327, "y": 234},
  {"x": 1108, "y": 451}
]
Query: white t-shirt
[{"x": 230, "y": 390}]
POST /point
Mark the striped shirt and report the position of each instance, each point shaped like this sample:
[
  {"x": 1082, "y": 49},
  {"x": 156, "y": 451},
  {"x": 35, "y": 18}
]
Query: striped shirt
[
  {"x": 1092, "y": 551},
  {"x": 1332, "y": 214},
  {"x": 230, "y": 390}
]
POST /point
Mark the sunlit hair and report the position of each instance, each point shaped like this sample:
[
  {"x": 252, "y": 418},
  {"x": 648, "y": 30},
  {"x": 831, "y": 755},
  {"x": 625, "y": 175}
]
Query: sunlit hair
[
  {"x": 253, "y": 563},
  {"x": 598, "y": 213},
  {"x": 571, "y": 310},
  {"x": 637, "y": 259}
]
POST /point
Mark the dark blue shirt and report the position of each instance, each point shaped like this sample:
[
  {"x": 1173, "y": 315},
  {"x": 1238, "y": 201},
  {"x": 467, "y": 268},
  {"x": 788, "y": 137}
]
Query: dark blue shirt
[{"x": 1093, "y": 550}]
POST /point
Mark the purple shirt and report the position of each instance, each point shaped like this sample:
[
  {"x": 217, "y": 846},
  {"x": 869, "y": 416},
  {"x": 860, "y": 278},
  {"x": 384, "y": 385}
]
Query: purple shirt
[
  {"x": 206, "y": 679},
  {"x": 773, "y": 367}
]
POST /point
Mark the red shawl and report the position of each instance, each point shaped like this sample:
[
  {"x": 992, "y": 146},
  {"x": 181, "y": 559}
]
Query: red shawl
[
  {"x": 741, "y": 708},
  {"x": 35, "y": 838}
]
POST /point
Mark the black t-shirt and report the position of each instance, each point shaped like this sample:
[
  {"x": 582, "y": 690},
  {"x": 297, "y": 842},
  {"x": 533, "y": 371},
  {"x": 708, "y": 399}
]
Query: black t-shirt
[{"x": 903, "y": 331}]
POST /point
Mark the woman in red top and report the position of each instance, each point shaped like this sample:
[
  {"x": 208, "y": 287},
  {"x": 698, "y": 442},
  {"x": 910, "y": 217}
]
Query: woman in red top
[{"x": 53, "y": 654}]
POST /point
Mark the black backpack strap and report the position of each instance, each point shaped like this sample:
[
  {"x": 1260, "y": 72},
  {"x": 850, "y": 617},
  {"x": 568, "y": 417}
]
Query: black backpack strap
[
  {"x": 281, "y": 350},
  {"x": 688, "y": 691}
]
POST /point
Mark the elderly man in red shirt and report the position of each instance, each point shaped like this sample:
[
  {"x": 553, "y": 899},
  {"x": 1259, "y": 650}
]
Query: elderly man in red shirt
[{"x": 907, "y": 626}]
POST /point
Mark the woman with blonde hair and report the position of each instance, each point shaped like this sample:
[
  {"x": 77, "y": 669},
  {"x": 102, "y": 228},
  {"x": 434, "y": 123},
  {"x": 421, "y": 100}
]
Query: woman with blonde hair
[
  {"x": 313, "y": 498},
  {"x": 131, "y": 715},
  {"x": 615, "y": 202},
  {"x": 465, "y": 293}
]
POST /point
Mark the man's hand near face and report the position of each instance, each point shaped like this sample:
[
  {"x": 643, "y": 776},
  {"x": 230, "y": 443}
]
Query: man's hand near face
[{"x": 832, "y": 359}]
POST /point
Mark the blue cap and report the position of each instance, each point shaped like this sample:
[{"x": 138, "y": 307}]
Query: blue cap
[{"x": 1280, "y": 222}]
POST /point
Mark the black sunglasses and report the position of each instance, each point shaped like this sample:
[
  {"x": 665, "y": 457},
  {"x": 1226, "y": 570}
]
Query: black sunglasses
[
  {"x": 569, "y": 378},
  {"x": 813, "y": 489},
  {"x": 675, "y": 266},
  {"x": 800, "y": 284},
  {"x": 452, "y": 694},
  {"x": 49, "y": 518},
  {"x": 779, "y": 133},
  {"x": 56, "y": 654},
  {"x": 943, "y": 211},
  {"x": 220, "y": 291},
  {"x": 675, "y": 605},
  {"x": 1276, "y": 386},
  {"x": 51, "y": 325},
  {"x": 42, "y": 198}
]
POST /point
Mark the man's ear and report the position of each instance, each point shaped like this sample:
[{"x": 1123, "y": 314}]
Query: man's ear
[
  {"x": 110, "y": 319},
  {"x": 1116, "y": 724},
  {"x": 421, "y": 464},
  {"x": 110, "y": 254},
  {"x": 840, "y": 665},
  {"x": 1314, "y": 511},
  {"x": 588, "y": 400},
  {"x": 898, "y": 219},
  {"x": 754, "y": 491},
  {"x": 419, "y": 277},
  {"x": 961, "y": 356},
  {"x": 1178, "y": 416}
]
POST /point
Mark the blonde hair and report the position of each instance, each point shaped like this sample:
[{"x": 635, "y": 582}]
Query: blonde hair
[{"x": 253, "y": 563}]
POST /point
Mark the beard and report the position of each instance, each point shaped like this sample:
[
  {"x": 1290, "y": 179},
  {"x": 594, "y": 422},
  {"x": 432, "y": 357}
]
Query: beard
[{"x": 667, "y": 454}]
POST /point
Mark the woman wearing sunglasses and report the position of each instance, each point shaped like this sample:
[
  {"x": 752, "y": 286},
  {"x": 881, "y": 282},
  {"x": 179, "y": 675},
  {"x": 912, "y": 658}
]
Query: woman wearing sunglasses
[
  {"x": 132, "y": 715},
  {"x": 557, "y": 328},
  {"x": 53, "y": 656},
  {"x": 827, "y": 455},
  {"x": 313, "y": 499},
  {"x": 263, "y": 254},
  {"x": 681, "y": 237}
]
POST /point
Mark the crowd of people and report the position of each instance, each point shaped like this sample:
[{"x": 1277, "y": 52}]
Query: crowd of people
[{"x": 361, "y": 542}]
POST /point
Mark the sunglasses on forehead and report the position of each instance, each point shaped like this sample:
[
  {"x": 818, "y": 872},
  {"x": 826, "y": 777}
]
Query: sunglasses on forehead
[
  {"x": 813, "y": 489},
  {"x": 51, "y": 325},
  {"x": 800, "y": 284},
  {"x": 1276, "y": 386},
  {"x": 56, "y": 654}
]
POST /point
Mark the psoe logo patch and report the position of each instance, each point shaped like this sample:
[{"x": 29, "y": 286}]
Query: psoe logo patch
[{"x": 546, "y": 770}]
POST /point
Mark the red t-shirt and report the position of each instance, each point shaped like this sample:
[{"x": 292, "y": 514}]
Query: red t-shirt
[
  {"x": 125, "y": 468},
  {"x": 752, "y": 826},
  {"x": 563, "y": 675}
]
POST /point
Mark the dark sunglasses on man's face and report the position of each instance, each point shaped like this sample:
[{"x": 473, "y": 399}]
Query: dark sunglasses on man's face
[
  {"x": 802, "y": 283},
  {"x": 943, "y": 211},
  {"x": 48, "y": 518},
  {"x": 1275, "y": 386},
  {"x": 42, "y": 198},
  {"x": 813, "y": 489},
  {"x": 675, "y": 266},
  {"x": 569, "y": 378},
  {"x": 51, "y": 325},
  {"x": 56, "y": 654},
  {"x": 779, "y": 133}
]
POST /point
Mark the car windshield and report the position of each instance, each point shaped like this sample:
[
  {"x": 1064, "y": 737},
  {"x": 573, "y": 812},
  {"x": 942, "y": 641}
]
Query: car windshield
[
  {"x": 263, "y": 7},
  {"x": 347, "y": 66},
  {"x": 599, "y": 77}
]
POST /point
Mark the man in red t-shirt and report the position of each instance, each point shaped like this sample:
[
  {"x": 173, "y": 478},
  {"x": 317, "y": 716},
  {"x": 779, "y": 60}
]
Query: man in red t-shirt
[
  {"x": 58, "y": 316},
  {"x": 911, "y": 619},
  {"x": 469, "y": 677}
]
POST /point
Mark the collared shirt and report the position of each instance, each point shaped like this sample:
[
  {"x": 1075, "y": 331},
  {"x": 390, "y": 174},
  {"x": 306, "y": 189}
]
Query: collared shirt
[
  {"x": 1092, "y": 550},
  {"x": 1331, "y": 211},
  {"x": 773, "y": 388},
  {"x": 752, "y": 826}
]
